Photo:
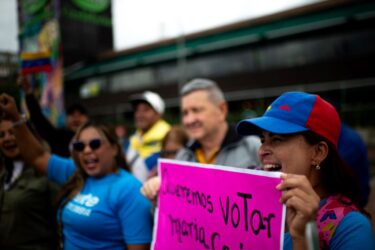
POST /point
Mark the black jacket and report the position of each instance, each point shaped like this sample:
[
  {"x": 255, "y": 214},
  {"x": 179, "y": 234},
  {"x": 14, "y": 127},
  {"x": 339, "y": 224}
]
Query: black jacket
[{"x": 57, "y": 138}]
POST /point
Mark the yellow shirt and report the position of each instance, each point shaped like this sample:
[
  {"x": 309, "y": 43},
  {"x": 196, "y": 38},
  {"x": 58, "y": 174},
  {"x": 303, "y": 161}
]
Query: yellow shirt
[
  {"x": 150, "y": 142},
  {"x": 201, "y": 157}
]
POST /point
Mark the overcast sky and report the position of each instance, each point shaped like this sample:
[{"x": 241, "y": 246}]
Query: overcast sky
[
  {"x": 142, "y": 21},
  {"x": 8, "y": 25},
  {"x": 138, "y": 22}
]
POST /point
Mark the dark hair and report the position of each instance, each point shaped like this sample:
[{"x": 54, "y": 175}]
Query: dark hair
[
  {"x": 76, "y": 107},
  {"x": 76, "y": 182},
  {"x": 176, "y": 133},
  {"x": 337, "y": 177}
]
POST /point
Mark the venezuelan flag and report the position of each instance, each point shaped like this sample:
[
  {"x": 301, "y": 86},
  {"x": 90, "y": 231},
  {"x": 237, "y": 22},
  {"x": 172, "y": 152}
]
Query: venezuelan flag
[{"x": 35, "y": 62}]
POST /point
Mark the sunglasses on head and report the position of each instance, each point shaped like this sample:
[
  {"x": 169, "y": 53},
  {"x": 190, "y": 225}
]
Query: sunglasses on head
[
  {"x": 79, "y": 146},
  {"x": 168, "y": 153}
]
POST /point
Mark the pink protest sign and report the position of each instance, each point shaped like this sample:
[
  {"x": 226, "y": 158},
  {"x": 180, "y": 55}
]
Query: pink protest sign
[{"x": 215, "y": 207}]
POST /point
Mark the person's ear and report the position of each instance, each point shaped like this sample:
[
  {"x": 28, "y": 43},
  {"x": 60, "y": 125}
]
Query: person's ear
[
  {"x": 117, "y": 148},
  {"x": 223, "y": 106},
  {"x": 321, "y": 151}
]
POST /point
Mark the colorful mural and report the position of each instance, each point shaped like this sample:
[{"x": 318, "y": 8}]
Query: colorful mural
[{"x": 39, "y": 33}]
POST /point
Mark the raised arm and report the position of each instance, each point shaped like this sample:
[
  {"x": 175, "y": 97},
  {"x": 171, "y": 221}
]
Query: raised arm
[
  {"x": 42, "y": 125},
  {"x": 31, "y": 149}
]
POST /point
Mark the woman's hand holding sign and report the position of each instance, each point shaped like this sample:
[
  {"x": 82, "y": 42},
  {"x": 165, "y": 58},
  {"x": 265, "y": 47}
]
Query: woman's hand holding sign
[
  {"x": 150, "y": 189},
  {"x": 302, "y": 204}
]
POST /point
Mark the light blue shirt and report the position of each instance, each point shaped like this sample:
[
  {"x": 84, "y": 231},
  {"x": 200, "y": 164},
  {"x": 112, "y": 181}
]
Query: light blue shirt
[{"x": 108, "y": 213}]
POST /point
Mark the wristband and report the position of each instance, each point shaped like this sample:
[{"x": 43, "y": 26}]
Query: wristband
[{"x": 22, "y": 120}]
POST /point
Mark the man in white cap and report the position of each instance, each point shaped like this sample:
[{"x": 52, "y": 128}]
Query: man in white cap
[{"x": 145, "y": 145}]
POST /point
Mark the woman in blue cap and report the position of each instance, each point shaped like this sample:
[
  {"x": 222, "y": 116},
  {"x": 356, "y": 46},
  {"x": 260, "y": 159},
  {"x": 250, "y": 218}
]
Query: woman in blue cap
[{"x": 299, "y": 134}]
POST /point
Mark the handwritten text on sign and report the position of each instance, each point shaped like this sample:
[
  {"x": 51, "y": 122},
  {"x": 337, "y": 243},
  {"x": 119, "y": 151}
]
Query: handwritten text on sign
[{"x": 215, "y": 207}]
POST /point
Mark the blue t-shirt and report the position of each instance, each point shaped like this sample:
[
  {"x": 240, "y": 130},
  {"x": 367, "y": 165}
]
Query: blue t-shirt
[
  {"x": 353, "y": 232},
  {"x": 108, "y": 213}
]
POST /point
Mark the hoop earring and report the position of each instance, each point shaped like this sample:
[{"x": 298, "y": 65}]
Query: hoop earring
[{"x": 317, "y": 167}]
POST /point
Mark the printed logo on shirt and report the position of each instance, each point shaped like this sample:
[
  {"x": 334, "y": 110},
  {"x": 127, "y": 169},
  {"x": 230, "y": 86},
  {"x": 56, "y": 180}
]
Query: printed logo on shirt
[{"x": 82, "y": 204}]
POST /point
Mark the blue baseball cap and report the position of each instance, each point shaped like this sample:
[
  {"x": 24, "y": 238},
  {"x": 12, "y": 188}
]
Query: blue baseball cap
[{"x": 295, "y": 112}]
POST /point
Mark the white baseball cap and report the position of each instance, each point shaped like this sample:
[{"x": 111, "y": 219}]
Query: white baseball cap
[{"x": 152, "y": 98}]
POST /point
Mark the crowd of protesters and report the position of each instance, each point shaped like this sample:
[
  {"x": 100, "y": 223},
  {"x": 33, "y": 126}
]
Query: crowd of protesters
[{"x": 81, "y": 187}]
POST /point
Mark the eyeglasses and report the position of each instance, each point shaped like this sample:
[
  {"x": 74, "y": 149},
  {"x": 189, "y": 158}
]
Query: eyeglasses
[
  {"x": 168, "y": 153},
  {"x": 79, "y": 146}
]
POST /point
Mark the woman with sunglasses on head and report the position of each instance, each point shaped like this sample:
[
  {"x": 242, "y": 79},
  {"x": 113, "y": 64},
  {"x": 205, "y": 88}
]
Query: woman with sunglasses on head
[
  {"x": 299, "y": 134},
  {"x": 173, "y": 141},
  {"x": 100, "y": 206}
]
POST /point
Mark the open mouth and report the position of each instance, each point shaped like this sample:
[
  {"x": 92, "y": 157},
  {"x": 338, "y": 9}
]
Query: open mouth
[
  {"x": 272, "y": 167},
  {"x": 90, "y": 162},
  {"x": 9, "y": 145}
]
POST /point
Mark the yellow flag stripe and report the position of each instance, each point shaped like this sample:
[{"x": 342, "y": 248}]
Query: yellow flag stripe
[{"x": 35, "y": 55}]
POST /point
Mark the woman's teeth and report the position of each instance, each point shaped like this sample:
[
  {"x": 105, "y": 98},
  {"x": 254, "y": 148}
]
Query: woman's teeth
[
  {"x": 272, "y": 167},
  {"x": 89, "y": 161},
  {"x": 9, "y": 145}
]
